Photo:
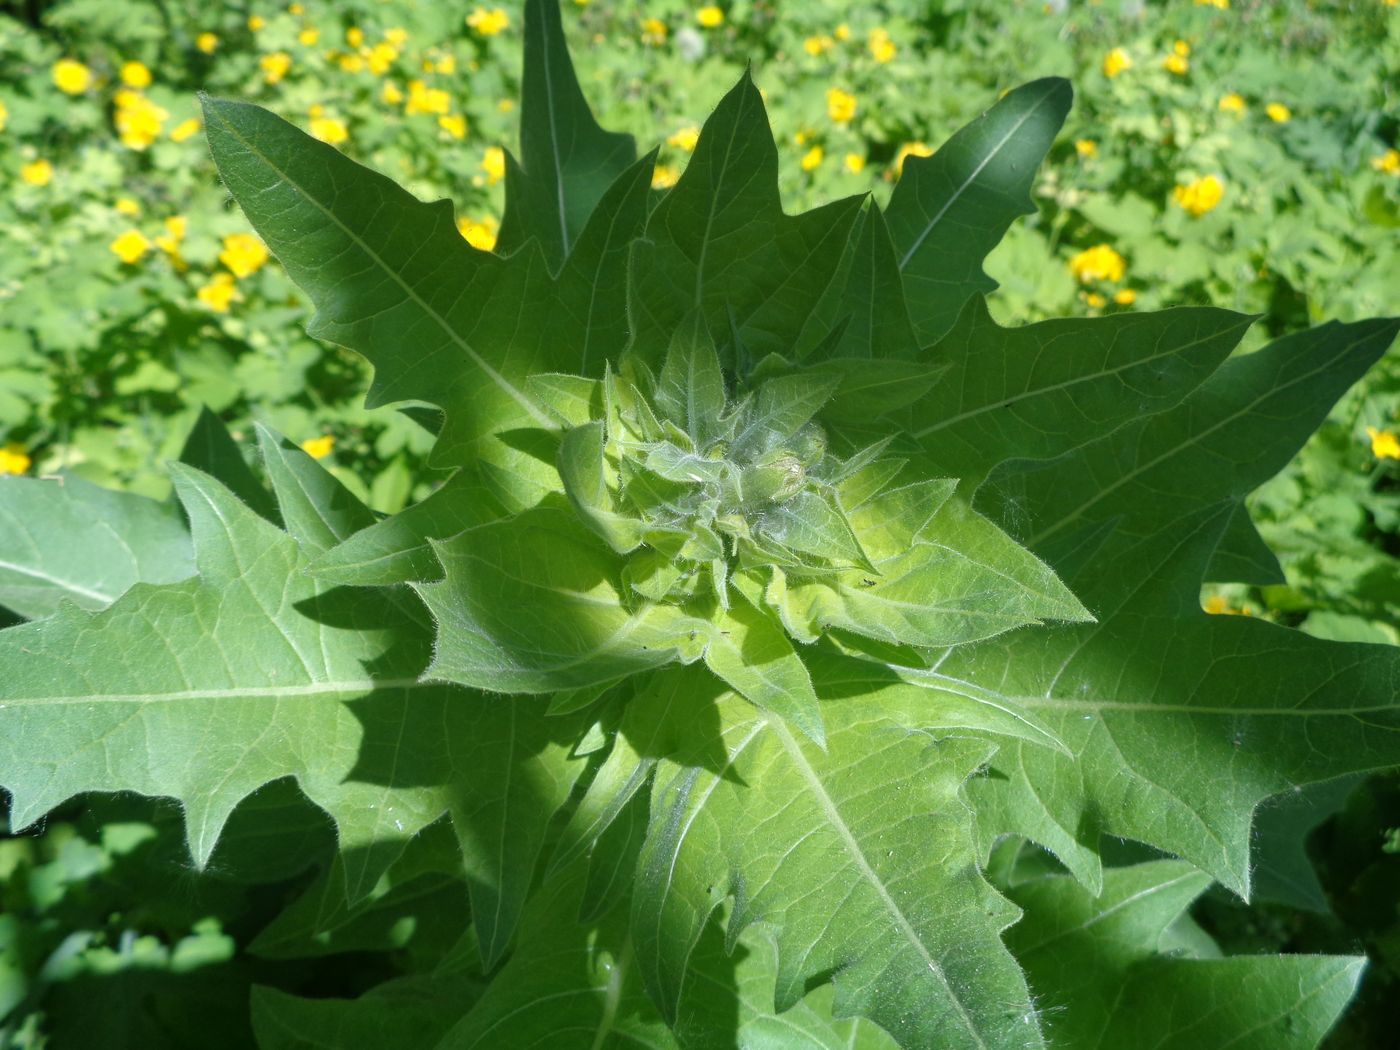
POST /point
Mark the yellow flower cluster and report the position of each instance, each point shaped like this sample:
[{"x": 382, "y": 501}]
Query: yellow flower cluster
[
  {"x": 1099, "y": 263},
  {"x": 130, "y": 246},
  {"x": 654, "y": 32},
  {"x": 1201, "y": 195},
  {"x": 1115, "y": 62},
  {"x": 423, "y": 99},
  {"x": 493, "y": 163},
  {"x": 37, "y": 172},
  {"x": 274, "y": 66},
  {"x": 14, "y": 459},
  {"x": 684, "y": 139},
  {"x": 328, "y": 129},
  {"x": 454, "y": 124},
  {"x": 664, "y": 176},
  {"x": 169, "y": 242},
  {"x": 909, "y": 149},
  {"x": 1388, "y": 163},
  {"x": 71, "y": 76},
  {"x": 816, "y": 46},
  {"x": 1385, "y": 444},
  {"x": 319, "y": 447},
  {"x": 479, "y": 233},
  {"x": 882, "y": 48},
  {"x": 710, "y": 16},
  {"x": 840, "y": 105},
  {"x": 137, "y": 118},
  {"x": 219, "y": 293},
  {"x": 488, "y": 23},
  {"x": 243, "y": 254}
]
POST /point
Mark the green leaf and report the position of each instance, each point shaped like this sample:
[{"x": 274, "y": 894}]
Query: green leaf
[
  {"x": 750, "y": 652},
  {"x": 962, "y": 581},
  {"x": 1044, "y": 389},
  {"x": 1098, "y": 965},
  {"x": 211, "y": 448},
  {"x": 719, "y": 242},
  {"x": 568, "y": 160},
  {"x": 690, "y": 390},
  {"x": 532, "y": 605},
  {"x": 876, "y": 886},
  {"x": 584, "y": 472},
  {"x": 254, "y": 669},
  {"x": 68, "y": 540},
  {"x": 949, "y": 210}
]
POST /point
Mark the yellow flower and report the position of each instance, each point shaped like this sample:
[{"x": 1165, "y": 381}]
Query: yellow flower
[
  {"x": 480, "y": 234},
  {"x": 882, "y": 48},
  {"x": 506, "y": 105},
  {"x": 391, "y": 94},
  {"x": 1115, "y": 62},
  {"x": 1216, "y": 604},
  {"x": 309, "y": 37},
  {"x": 37, "y": 173},
  {"x": 130, "y": 246},
  {"x": 488, "y": 23},
  {"x": 1384, "y": 443},
  {"x": 1232, "y": 103},
  {"x": 493, "y": 162},
  {"x": 185, "y": 129},
  {"x": 1200, "y": 196},
  {"x": 206, "y": 42},
  {"x": 138, "y": 119},
  {"x": 1224, "y": 5},
  {"x": 854, "y": 163},
  {"x": 1125, "y": 297},
  {"x": 1278, "y": 112},
  {"x": 135, "y": 74},
  {"x": 355, "y": 37},
  {"x": 319, "y": 447},
  {"x": 316, "y": 110},
  {"x": 1388, "y": 162},
  {"x": 4, "y": 115},
  {"x": 685, "y": 138},
  {"x": 664, "y": 177},
  {"x": 13, "y": 459},
  {"x": 1174, "y": 63},
  {"x": 423, "y": 99},
  {"x": 72, "y": 77},
  {"x": 218, "y": 293},
  {"x": 128, "y": 207},
  {"x": 445, "y": 64},
  {"x": 243, "y": 254},
  {"x": 1086, "y": 148},
  {"x": 812, "y": 159},
  {"x": 1095, "y": 300},
  {"x": 1182, "y": 48},
  {"x": 653, "y": 32},
  {"x": 351, "y": 63},
  {"x": 710, "y": 16},
  {"x": 1099, "y": 263},
  {"x": 455, "y": 125},
  {"x": 909, "y": 149},
  {"x": 816, "y": 46},
  {"x": 840, "y": 105},
  {"x": 256, "y": 22},
  {"x": 842, "y": 32},
  {"x": 329, "y": 130},
  {"x": 169, "y": 242},
  {"x": 275, "y": 65},
  {"x": 296, "y": 9},
  {"x": 398, "y": 36}
]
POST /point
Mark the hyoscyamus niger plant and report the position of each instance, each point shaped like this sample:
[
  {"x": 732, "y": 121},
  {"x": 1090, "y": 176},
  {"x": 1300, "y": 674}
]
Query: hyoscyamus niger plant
[{"x": 785, "y": 637}]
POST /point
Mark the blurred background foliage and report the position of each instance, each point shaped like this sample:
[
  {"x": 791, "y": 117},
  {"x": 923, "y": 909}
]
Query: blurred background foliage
[{"x": 1235, "y": 152}]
